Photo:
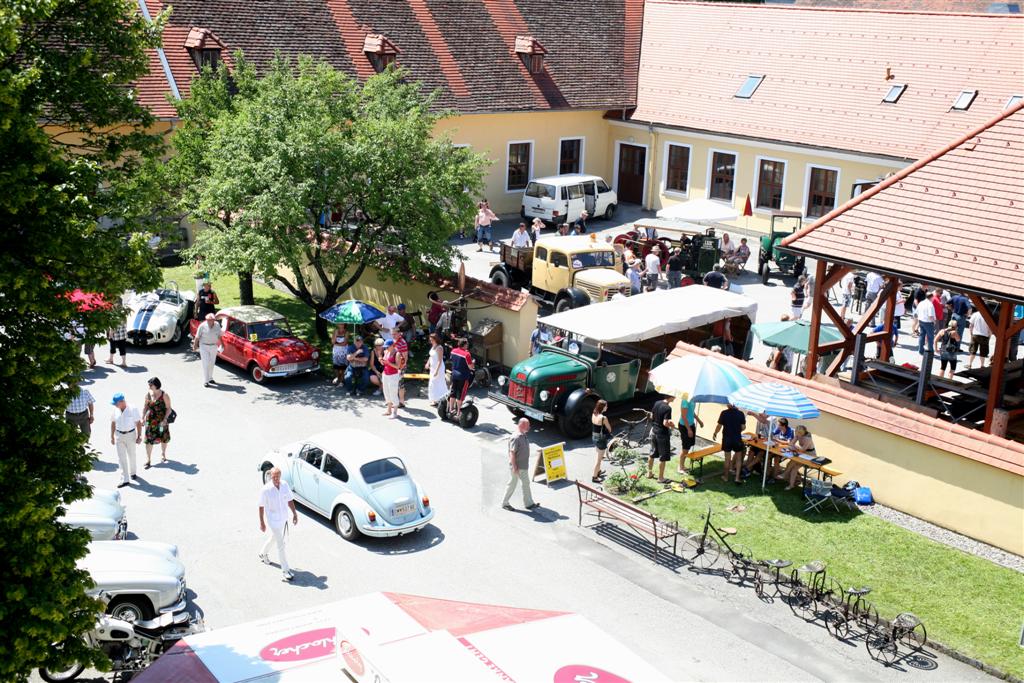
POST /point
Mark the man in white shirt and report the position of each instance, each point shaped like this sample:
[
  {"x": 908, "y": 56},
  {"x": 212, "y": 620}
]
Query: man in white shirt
[
  {"x": 846, "y": 290},
  {"x": 125, "y": 434},
  {"x": 621, "y": 294},
  {"x": 521, "y": 238},
  {"x": 924, "y": 313},
  {"x": 275, "y": 502},
  {"x": 207, "y": 343},
  {"x": 389, "y": 322},
  {"x": 652, "y": 262},
  {"x": 980, "y": 334},
  {"x": 874, "y": 286}
]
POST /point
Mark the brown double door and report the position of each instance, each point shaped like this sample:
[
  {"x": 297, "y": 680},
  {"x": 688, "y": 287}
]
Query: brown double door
[{"x": 632, "y": 162}]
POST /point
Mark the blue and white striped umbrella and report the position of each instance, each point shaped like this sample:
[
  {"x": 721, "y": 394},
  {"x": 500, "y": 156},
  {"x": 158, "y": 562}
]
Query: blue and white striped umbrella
[
  {"x": 774, "y": 399},
  {"x": 703, "y": 379}
]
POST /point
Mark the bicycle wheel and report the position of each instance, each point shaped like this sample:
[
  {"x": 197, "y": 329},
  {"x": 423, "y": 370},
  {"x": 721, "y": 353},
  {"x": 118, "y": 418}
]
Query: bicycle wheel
[
  {"x": 911, "y": 631},
  {"x": 832, "y": 593},
  {"x": 801, "y": 601},
  {"x": 881, "y": 646},
  {"x": 837, "y": 623},
  {"x": 702, "y": 551},
  {"x": 741, "y": 561}
]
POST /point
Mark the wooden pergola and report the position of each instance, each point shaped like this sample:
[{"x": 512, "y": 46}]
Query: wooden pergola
[{"x": 954, "y": 219}]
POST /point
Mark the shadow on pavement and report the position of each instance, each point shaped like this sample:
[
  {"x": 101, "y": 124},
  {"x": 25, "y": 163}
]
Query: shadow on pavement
[
  {"x": 639, "y": 545},
  {"x": 171, "y": 464},
  {"x": 308, "y": 579},
  {"x": 152, "y": 490}
]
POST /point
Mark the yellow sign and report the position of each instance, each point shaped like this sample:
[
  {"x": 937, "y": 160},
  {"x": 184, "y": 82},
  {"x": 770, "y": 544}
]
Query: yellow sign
[{"x": 551, "y": 463}]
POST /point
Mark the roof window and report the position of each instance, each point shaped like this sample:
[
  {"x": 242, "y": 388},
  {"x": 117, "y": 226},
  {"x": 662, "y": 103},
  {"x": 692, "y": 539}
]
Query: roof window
[
  {"x": 964, "y": 100},
  {"x": 1013, "y": 101},
  {"x": 204, "y": 47},
  {"x": 381, "y": 52},
  {"x": 531, "y": 52},
  {"x": 895, "y": 93},
  {"x": 748, "y": 87}
]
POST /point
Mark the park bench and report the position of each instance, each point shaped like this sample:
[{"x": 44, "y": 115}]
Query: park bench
[{"x": 606, "y": 505}]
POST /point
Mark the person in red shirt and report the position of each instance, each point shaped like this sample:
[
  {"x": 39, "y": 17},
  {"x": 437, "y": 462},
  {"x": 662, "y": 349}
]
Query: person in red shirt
[
  {"x": 462, "y": 375},
  {"x": 395, "y": 357},
  {"x": 940, "y": 307}
]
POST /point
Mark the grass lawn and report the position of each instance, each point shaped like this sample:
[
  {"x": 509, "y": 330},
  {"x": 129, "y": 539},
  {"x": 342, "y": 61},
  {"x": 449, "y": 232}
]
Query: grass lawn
[{"x": 967, "y": 603}]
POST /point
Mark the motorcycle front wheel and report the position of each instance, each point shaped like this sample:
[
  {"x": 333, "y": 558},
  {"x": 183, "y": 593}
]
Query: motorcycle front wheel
[{"x": 69, "y": 674}]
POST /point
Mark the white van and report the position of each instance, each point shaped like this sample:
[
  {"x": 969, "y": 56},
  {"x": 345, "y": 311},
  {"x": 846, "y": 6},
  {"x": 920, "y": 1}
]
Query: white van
[{"x": 560, "y": 198}]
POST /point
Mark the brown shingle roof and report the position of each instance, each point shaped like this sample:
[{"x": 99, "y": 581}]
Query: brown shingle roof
[
  {"x": 825, "y": 73},
  {"x": 465, "y": 49},
  {"x": 955, "y": 217},
  {"x": 910, "y": 424}
]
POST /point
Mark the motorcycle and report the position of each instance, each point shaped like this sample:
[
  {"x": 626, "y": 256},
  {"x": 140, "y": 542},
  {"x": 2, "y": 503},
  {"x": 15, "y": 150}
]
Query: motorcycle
[{"x": 130, "y": 646}]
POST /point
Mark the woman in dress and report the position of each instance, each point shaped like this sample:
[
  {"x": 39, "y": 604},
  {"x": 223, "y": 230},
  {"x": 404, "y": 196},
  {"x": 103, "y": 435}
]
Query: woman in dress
[
  {"x": 601, "y": 431},
  {"x": 156, "y": 408},
  {"x": 339, "y": 353},
  {"x": 437, "y": 387}
]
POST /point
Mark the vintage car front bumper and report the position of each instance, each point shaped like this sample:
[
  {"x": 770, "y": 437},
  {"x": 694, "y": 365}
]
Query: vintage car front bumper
[
  {"x": 384, "y": 530},
  {"x": 531, "y": 413},
  {"x": 300, "y": 369}
]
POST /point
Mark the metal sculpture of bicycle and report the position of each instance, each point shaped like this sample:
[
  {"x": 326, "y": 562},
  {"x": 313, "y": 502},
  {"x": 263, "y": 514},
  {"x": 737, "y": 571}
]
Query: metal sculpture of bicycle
[{"x": 906, "y": 631}]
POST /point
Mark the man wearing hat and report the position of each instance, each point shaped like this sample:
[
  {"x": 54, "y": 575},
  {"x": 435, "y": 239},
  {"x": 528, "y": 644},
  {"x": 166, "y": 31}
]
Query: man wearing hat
[
  {"x": 207, "y": 343},
  {"x": 125, "y": 434}
]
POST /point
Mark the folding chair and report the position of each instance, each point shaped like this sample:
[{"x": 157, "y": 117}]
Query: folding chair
[{"x": 817, "y": 493}]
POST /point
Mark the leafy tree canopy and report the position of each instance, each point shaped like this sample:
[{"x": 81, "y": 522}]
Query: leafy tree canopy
[
  {"x": 66, "y": 65},
  {"x": 331, "y": 176}
]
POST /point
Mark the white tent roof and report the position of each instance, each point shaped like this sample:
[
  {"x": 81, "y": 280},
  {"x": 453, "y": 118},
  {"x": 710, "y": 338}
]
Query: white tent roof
[
  {"x": 652, "y": 314},
  {"x": 700, "y": 210}
]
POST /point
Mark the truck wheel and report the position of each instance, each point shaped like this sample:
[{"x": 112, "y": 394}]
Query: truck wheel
[
  {"x": 576, "y": 424},
  {"x": 500, "y": 278},
  {"x": 609, "y": 212},
  {"x": 765, "y": 270},
  {"x": 563, "y": 304},
  {"x": 522, "y": 214}
]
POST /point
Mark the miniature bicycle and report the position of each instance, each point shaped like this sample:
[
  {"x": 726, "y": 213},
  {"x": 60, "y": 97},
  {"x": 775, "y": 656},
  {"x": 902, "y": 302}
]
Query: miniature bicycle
[
  {"x": 808, "y": 594},
  {"x": 769, "y": 582},
  {"x": 635, "y": 436},
  {"x": 705, "y": 551},
  {"x": 906, "y": 629},
  {"x": 853, "y": 609}
]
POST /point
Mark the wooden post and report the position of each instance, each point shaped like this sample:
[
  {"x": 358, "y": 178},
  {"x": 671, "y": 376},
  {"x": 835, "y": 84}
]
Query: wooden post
[
  {"x": 890, "y": 315},
  {"x": 995, "y": 389},
  {"x": 817, "y": 300}
]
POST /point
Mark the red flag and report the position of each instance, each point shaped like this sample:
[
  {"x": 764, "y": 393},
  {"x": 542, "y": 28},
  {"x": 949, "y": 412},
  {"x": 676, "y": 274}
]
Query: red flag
[{"x": 747, "y": 209}]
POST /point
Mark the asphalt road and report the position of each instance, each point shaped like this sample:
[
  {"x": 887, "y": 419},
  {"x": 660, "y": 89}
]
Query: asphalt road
[{"x": 688, "y": 625}]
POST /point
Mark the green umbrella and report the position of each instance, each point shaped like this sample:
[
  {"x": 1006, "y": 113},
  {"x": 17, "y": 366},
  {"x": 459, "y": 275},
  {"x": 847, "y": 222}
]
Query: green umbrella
[{"x": 794, "y": 334}]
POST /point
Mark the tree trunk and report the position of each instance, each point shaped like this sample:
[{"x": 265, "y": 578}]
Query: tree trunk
[
  {"x": 322, "y": 331},
  {"x": 245, "y": 288}
]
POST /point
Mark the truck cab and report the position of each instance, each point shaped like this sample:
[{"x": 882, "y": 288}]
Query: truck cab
[{"x": 563, "y": 272}]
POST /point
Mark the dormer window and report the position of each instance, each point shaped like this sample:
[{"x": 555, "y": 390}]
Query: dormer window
[
  {"x": 531, "y": 52},
  {"x": 381, "y": 52},
  {"x": 204, "y": 47}
]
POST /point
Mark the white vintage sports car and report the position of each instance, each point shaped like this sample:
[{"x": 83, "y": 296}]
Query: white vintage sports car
[
  {"x": 102, "y": 515},
  {"x": 142, "y": 578},
  {"x": 355, "y": 479},
  {"x": 159, "y": 317}
]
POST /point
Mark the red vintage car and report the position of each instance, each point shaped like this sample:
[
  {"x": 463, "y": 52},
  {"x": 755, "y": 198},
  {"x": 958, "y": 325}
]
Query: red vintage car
[{"x": 261, "y": 341}]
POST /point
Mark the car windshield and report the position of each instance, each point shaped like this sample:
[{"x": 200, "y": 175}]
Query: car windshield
[
  {"x": 589, "y": 259},
  {"x": 269, "y": 329},
  {"x": 379, "y": 470},
  {"x": 169, "y": 295},
  {"x": 541, "y": 190}
]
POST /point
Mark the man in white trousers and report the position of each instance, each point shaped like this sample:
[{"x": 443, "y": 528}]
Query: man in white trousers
[
  {"x": 207, "y": 343},
  {"x": 125, "y": 434},
  {"x": 275, "y": 502}
]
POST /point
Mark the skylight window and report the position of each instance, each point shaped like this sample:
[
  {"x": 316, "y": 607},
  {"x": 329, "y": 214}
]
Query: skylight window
[
  {"x": 964, "y": 100},
  {"x": 1013, "y": 101},
  {"x": 895, "y": 93},
  {"x": 749, "y": 87}
]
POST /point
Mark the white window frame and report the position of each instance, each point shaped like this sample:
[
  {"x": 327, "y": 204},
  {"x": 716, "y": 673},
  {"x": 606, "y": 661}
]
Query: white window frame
[
  {"x": 529, "y": 169},
  {"x": 757, "y": 179},
  {"x": 736, "y": 173},
  {"x": 583, "y": 153},
  {"x": 861, "y": 180},
  {"x": 807, "y": 189},
  {"x": 1010, "y": 102},
  {"x": 664, "y": 170},
  {"x": 615, "y": 168}
]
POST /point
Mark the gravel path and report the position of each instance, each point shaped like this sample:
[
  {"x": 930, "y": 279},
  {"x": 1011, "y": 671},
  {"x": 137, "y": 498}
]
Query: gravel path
[{"x": 947, "y": 537}]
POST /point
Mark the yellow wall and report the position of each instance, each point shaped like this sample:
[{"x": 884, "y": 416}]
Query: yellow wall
[
  {"x": 489, "y": 134},
  {"x": 952, "y": 491},
  {"x": 851, "y": 169}
]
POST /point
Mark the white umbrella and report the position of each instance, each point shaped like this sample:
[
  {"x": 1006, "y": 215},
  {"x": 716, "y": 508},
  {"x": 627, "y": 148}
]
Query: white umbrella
[
  {"x": 703, "y": 379},
  {"x": 700, "y": 210}
]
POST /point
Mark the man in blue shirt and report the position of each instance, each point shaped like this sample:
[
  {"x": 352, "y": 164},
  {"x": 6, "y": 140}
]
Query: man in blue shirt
[
  {"x": 961, "y": 307},
  {"x": 687, "y": 429}
]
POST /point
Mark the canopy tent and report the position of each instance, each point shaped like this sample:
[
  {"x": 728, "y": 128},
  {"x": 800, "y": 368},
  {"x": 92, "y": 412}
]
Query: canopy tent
[
  {"x": 649, "y": 315},
  {"x": 395, "y": 638},
  {"x": 700, "y": 211},
  {"x": 794, "y": 334}
]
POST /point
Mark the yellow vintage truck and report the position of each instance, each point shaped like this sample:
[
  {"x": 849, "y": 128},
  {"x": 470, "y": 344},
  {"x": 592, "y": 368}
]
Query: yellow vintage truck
[{"x": 563, "y": 272}]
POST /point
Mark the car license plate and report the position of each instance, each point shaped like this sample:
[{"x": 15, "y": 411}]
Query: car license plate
[
  {"x": 400, "y": 510},
  {"x": 287, "y": 367},
  {"x": 534, "y": 414}
]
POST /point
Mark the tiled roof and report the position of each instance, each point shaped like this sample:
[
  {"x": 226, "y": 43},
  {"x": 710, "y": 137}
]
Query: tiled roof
[
  {"x": 955, "y": 217},
  {"x": 825, "y": 73},
  {"x": 977, "y": 6},
  {"x": 465, "y": 49},
  {"x": 910, "y": 424}
]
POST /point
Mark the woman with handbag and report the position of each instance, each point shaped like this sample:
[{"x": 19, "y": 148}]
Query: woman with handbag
[{"x": 156, "y": 414}]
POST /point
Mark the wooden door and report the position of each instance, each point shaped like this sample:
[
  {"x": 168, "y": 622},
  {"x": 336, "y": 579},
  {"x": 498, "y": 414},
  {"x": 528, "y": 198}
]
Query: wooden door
[{"x": 632, "y": 162}]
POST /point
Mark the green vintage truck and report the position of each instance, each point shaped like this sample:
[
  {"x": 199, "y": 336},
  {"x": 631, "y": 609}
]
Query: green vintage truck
[{"x": 606, "y": 350}]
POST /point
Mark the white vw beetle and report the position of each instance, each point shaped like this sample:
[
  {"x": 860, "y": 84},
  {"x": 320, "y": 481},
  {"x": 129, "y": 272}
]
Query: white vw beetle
[
  {"x": 142, "y": 578},
  {"x": 355, "y": 479},
  {"x": 102, "y": 515},
  {"x": 158, "y": 317}
]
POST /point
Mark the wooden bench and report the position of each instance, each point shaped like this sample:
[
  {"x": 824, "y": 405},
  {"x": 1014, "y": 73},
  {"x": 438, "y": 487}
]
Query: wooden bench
[
  {"x": 697, "y": 456},
  {"x": 607, "y": 505}
]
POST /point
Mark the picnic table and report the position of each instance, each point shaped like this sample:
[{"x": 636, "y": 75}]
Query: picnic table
[{"x": 824, "y": 472}]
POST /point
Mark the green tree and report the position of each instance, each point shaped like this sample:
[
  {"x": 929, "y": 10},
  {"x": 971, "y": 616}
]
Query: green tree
[
  {"x": 66, "y": 64},
  {"x": 310, "y": 142}
]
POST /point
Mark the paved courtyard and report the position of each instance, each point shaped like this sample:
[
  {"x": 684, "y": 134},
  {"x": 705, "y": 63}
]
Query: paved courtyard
[{"x": 690, "y": 626}]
